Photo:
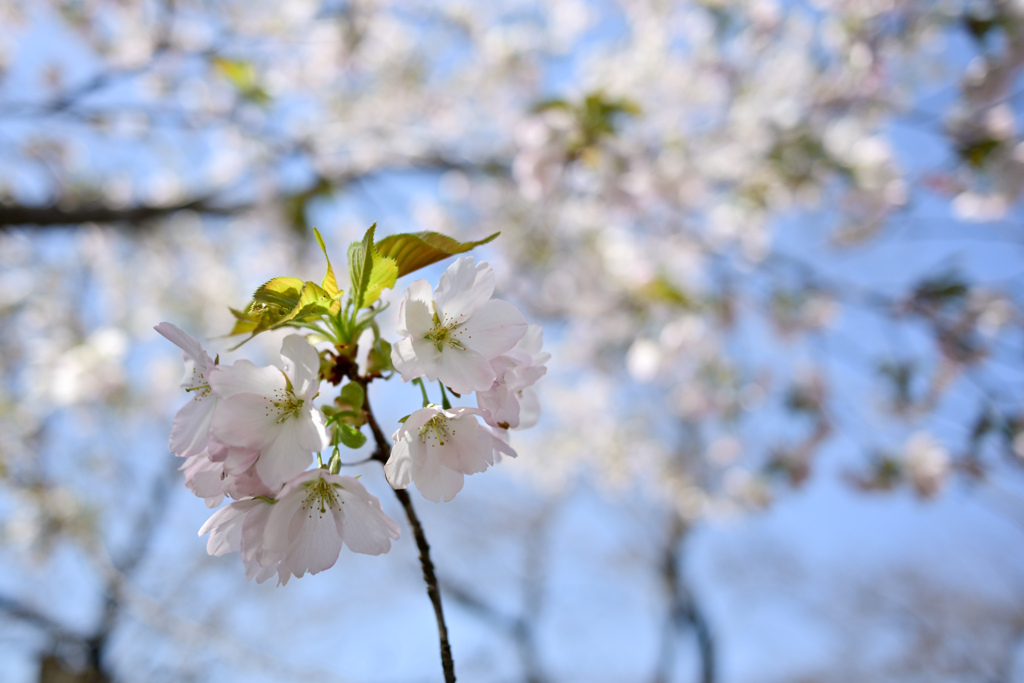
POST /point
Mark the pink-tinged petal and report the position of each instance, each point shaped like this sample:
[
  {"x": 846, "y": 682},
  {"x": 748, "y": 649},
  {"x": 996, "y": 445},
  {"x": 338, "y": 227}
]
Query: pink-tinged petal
[
  {"x": 316, "y": 543},
  {"x": 245, "y": 420},
  {"x": 226, "y": 525},
  {"x": 529, "y": 408},
  {"x": 244, "y": 377},
  {"x": 254, "y": 533},
  {"x": 205, "y": 478},
  {"x": 432, "y": 478},
  {"x": 284, "y": 457},
  {"x": 361, "y": 522},
  {"x": 463, "y": 288},
  {"x": 311, "y": 430},
  {"x": 472, "y": 450},
  {"x": 246, "y": 484},
  {"x": 501, "y": 405},
  {"x": 277, "y": 530},
  {"x": 416, "y": 312},
  {"x": 191, "y": 429},
  {"x": 501, "y": 445},
  {"x": 414, "y": 357},
  {"x": 494, "y": 329},
  {"x": 237, "y": 460},
  {"x": 415, "y": 421},
  {"x": 531, "y": 344},
  {"x": 302, "y": 365},
  {"x": 398, "y": 469},
  {"x": 191, "y": 347},
  {"x": 464, "y": 371}
]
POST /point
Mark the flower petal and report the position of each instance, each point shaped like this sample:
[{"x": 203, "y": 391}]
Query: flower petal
[
  {"x": 416, "y": 312},
  {"x": 246, "y": 420},
  {"x": 302, "y": 365},
  {"x": 463, "y": 288},
  {"x": 187, "y": 343},
  {"x": 362, "y": 523},
  {"x": 398, "y": 468},
  {"x": 190, "y": 431},
  {"x": 245, "y": 377},
  {"x": 284, "y": 457},
  {"x": 494, "y": 329},
  {"x": 465, "y": 370}
]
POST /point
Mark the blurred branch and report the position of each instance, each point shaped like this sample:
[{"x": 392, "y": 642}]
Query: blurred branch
[
  {"x": 683, "y": 609},
  {"x": 71, "y": 216}
]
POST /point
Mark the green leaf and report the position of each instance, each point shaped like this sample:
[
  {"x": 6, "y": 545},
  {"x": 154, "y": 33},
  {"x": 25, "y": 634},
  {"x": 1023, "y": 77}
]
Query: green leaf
[
  {"x": 350, "y": 436},
  {"x": 330, "y": 283},
  {"x": 280, "y": 301},
  {"x": 370, "y": 271},
  {"x": 353, "y": 395},
  {"x": 412, "y": 251}
]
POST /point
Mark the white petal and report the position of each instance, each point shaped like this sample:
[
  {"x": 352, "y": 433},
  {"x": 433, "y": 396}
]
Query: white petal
[
  {"x": 463, "y": 288},
  {"x": 284, "y": 457},
  {"x": 362, "y": 523},
  {"x": 190, "y": 345},
  {"x": 416, "y": 312},
  {"x": 432, "y": 478},
  {"x": 529, "y": 408},
  {"x": 245, "y": 377},
  {"x": 226, "y": 524},
  {"x": 472, "y": 449},
  {"x": 494, "y": 329},
  {"x": 245, "y": 420},
  {"x": 464, "y": 371},
  {"x": 398, "y": 468},
  {"x": 191, "y": 429},
  {"x": 414, "y": 357},
  {"x": 302, "y": 365},
  {"x": 316, "y": 547},
  {"x": 311, "y": 430}
]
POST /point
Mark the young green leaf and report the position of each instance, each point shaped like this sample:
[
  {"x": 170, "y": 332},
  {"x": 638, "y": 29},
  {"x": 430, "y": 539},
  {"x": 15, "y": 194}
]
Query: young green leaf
[
  {"x": 330, "y": 283},
  {"x": 370, "y": 272},
  {"x": 353, "y": 395},
  {"x": 281, "y": 301},
  {"x": 412, "y": 251},
  {"x": 350, "y": 436}
]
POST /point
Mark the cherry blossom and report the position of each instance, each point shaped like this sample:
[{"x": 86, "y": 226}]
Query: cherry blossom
[
  {"x": 435, "y": 448},
  {"x": 271, "y": 410},
  {"x": 454, "y": 334},
  {"x": 191, "y": 428},
  {"x": 512, "y": 402},
  {"x": 314, "y": 514}
]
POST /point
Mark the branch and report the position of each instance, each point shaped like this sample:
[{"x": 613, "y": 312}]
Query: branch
[
  {"x": 683, "y": 609},
  {"x": 60, "y": 216},
  {"x": 381, "y": 454}
]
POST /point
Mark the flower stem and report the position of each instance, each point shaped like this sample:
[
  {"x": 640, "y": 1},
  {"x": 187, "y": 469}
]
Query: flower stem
[{"x": 381, "y": 454}]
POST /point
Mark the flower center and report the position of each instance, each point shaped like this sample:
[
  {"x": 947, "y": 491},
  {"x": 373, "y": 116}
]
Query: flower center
[
  {"x": 445, "y": 333},
  {"x": 286, "y": 404},
  {"x": 436, "y": 430},
  {"x": 320, "y": 496}
]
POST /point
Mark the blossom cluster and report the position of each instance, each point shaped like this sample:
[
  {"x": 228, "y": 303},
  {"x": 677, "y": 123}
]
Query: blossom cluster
[{"x": 250, "y": 433}]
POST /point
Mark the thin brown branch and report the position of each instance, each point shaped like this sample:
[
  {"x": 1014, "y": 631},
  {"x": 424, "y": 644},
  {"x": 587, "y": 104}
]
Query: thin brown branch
[{"x": 381, "y": 454}]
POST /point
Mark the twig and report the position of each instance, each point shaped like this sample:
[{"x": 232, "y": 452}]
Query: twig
[{"x": 429, "y": 576}]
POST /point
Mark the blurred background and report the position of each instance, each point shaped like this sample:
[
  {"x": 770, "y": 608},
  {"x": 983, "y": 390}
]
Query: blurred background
[{"x": 777, "y": 250}]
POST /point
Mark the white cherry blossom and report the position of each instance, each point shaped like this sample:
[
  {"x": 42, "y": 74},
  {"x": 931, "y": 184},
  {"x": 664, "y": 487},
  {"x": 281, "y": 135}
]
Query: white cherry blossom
[
  {"x": 191, "y": 428},
  {"x": 315, "y": 513},
  {"x": 512, "y": 402},
  {"x": 271, "y": 410},
  {"x": 454, "y": 333},
  {"x": 436, "y": 448}
]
